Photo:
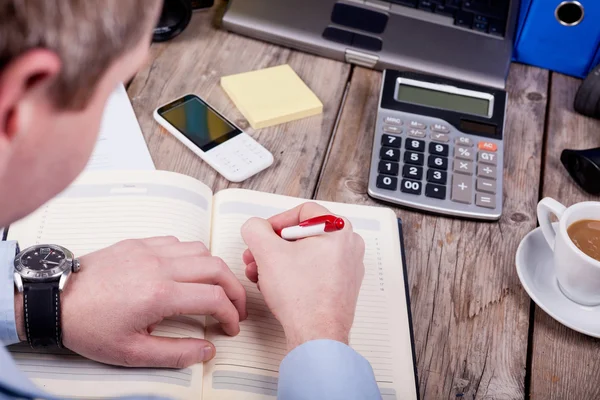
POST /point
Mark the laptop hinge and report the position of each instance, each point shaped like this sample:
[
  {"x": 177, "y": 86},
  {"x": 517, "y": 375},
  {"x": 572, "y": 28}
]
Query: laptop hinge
[{"x": 362, "y": 59}]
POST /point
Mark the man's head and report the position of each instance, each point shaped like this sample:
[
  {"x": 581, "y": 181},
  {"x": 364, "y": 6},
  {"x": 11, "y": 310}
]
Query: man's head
[{"x": 59, "y": 62}]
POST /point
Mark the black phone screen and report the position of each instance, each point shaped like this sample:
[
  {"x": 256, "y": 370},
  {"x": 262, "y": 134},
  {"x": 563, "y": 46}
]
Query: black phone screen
[{"x": 198, "y": 122}]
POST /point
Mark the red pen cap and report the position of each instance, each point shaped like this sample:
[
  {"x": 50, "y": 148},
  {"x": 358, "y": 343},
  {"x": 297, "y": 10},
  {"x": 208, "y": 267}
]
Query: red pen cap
[{"x": 332, "y": 223}]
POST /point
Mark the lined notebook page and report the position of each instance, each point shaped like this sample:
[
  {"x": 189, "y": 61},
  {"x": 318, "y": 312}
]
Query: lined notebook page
[
  {"x": 249, "y": 363},
  {"x": 100, "y": 209}
]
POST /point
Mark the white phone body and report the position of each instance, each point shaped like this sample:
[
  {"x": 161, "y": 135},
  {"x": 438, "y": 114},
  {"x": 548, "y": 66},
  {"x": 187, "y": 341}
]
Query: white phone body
[{"x": 237, "y": 158}]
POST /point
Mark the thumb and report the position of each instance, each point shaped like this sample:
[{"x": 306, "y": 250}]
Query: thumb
[
  {"x": 258, "y": 234},
  {"x": 165, "y": 352}
]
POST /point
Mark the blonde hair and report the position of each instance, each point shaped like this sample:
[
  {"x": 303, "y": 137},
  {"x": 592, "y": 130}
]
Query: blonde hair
[{"x": 87, "y": 35}]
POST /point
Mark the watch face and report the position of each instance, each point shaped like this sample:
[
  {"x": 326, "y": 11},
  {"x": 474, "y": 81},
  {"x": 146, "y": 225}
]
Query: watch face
[{"x": 42, "y": 262}]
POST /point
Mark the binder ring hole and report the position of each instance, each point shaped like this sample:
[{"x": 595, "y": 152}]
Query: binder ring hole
[{"x": 569, "y": 13}]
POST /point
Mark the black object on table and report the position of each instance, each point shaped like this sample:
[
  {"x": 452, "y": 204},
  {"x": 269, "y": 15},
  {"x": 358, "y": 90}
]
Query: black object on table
[{"x": 584, "y": 168}]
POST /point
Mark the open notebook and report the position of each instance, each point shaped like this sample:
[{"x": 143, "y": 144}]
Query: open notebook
[{"x": 102, "y": 208}]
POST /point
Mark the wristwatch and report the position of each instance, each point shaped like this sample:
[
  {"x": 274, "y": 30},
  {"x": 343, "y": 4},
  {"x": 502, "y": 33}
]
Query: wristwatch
[{"x": 41, "y": 273}]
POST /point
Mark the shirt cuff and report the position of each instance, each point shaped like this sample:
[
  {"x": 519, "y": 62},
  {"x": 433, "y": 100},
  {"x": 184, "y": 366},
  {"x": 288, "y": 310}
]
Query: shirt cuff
[
  {"x": 8, "y": 326},
  {"x": 326, "y": 369}
]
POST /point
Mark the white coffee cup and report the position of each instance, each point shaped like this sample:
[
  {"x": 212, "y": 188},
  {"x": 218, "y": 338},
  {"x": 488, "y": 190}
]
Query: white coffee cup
[{"x": 578, "y": 274}]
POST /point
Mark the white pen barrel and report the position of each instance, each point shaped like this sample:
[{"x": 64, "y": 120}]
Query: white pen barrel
[{"x": 301, "y": 232}]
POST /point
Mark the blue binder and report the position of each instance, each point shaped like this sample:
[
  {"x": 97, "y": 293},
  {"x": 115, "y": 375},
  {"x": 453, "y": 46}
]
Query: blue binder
[{"x": 543, "y": 41}]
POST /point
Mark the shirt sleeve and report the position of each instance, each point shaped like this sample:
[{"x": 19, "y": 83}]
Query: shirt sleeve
[
  {"x": 14, "y": 384},
  {"x": 326, "y": 369},
  {"x": 8, "y": 327}
]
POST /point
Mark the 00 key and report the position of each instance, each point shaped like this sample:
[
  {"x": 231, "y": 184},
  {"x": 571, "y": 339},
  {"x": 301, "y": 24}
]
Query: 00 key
[{"x": 412, "y": 187}]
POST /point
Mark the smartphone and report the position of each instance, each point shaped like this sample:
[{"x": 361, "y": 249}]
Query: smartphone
[{"x": 225, "y": 147}]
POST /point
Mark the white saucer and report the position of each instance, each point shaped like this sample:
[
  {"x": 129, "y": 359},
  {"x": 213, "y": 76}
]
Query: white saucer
[{"x": 536, "y": 272}]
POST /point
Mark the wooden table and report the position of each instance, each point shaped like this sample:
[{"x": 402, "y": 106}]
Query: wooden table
[{"x": 478, "y": 334}]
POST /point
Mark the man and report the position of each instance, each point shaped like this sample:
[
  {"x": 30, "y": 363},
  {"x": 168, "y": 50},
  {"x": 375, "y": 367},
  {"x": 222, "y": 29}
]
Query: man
[{"x": 59, "y": 62}]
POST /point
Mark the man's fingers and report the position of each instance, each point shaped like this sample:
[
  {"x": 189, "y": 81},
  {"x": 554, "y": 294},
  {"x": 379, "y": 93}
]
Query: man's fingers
[
  {"x": 259, "y": 234},
  {"x": 157, "y": 351},
  {"x": 201, "y": 299},
  {"x": 183, "y": 249},
  {"x": 247, "y": 257},
  {"x": 214, "y": 271},
  {"x": 298, "y": 214},
  {"x": 252, "y": 272}
]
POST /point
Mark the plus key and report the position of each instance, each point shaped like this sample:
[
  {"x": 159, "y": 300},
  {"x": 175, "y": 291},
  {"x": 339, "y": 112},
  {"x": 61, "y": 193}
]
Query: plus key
[{"x": 462, "y": 189}]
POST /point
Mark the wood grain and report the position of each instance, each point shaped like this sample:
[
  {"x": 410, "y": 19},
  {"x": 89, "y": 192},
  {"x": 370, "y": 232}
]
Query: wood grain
[
  {"x": 470, "y": 312},
  {"x": 565, "y": 364},
  {"x": 194, "y": 63}
]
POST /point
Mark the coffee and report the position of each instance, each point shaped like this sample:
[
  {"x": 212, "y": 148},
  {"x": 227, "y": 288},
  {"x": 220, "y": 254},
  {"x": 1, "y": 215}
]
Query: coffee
[{"x": 586, "y": 236}]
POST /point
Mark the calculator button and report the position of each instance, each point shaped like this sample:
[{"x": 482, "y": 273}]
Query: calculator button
[
  {"x": 415, "y": 145},
  {"x": 439, "y": 149},
  {"x": 392, "y": 129},
  {"x": 392, "y": 121},
  {"x": 485, "y": 200},
  {"x": 414, "y": 158},
  {"x": 486, "y": 171},
  {"x": 390, "y": 154},
  {"x": 464, "y": 153},
  {"x": 464, "y": 141},
  {"x": 440, "y": 137},
  {"x": 438, "y": 162},
  {"x": 416, "y": 133},
  {"x": 416, "y": 125},
  {"x": 487, "y": 146},
  {"x": 435, "y": 191},
  {"x": 412, "y": 187},
  {"x": 412, "y": 172},
  {"x": 391, "y": 141},
  {"x": 487, "y": 158},
  {"x": 440, "y": 128},
  {"x": 486, "y": 185},
  {"x": 464, "y": 167},
  {"x": 462, "y": 190},
  {"x": 387, "y": 182},
  {"x": 434, "y": 176},
  {"x": 388, "y": 168}
]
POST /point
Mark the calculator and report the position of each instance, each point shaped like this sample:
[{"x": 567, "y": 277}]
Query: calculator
[{"x": 438, "y": 146}]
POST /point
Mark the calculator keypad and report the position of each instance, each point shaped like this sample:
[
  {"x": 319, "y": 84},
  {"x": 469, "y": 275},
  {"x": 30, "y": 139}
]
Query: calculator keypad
[{"x": 432, "y": 161}]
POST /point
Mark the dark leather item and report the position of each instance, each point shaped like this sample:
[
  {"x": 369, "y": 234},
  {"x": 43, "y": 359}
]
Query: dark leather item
[
  {"x": 174, "y": 18},
  {"x": 584, "y": 168},
  {"x": 41, "y": 309},
  {"x": 587, "y": 99}
]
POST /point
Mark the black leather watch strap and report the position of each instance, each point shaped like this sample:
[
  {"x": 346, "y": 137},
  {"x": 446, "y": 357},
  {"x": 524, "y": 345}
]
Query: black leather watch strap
[{"x": 41, "y": 308}]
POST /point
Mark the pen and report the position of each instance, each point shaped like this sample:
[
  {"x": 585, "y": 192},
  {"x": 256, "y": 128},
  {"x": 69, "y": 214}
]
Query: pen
[{"x": 312, "y": 227}]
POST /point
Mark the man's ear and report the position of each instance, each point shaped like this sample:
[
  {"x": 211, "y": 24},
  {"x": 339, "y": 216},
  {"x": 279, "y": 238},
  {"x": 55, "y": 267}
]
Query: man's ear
[{"x": 20, "y": 81}]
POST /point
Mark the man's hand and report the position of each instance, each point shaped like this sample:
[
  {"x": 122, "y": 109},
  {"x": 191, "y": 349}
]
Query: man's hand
[
  {"x": 311, "y": 285},
  {"x": 121, "y": 293}
]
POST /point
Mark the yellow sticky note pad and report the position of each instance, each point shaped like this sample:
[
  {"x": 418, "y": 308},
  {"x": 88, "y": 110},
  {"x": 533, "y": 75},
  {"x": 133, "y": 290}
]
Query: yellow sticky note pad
[{"x": 271, "y": 96}]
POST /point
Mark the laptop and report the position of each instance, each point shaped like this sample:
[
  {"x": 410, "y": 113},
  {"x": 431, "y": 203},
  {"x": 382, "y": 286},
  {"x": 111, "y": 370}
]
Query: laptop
[{"x": 468, "y": 40}]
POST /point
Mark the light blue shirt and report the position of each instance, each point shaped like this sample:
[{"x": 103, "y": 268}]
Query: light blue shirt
[
  {"x": 319, "y": 369},
  {"x": 8, "y": 328}
]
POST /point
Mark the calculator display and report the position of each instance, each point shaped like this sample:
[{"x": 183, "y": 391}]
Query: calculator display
[{"x": 444, "y": 97}]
